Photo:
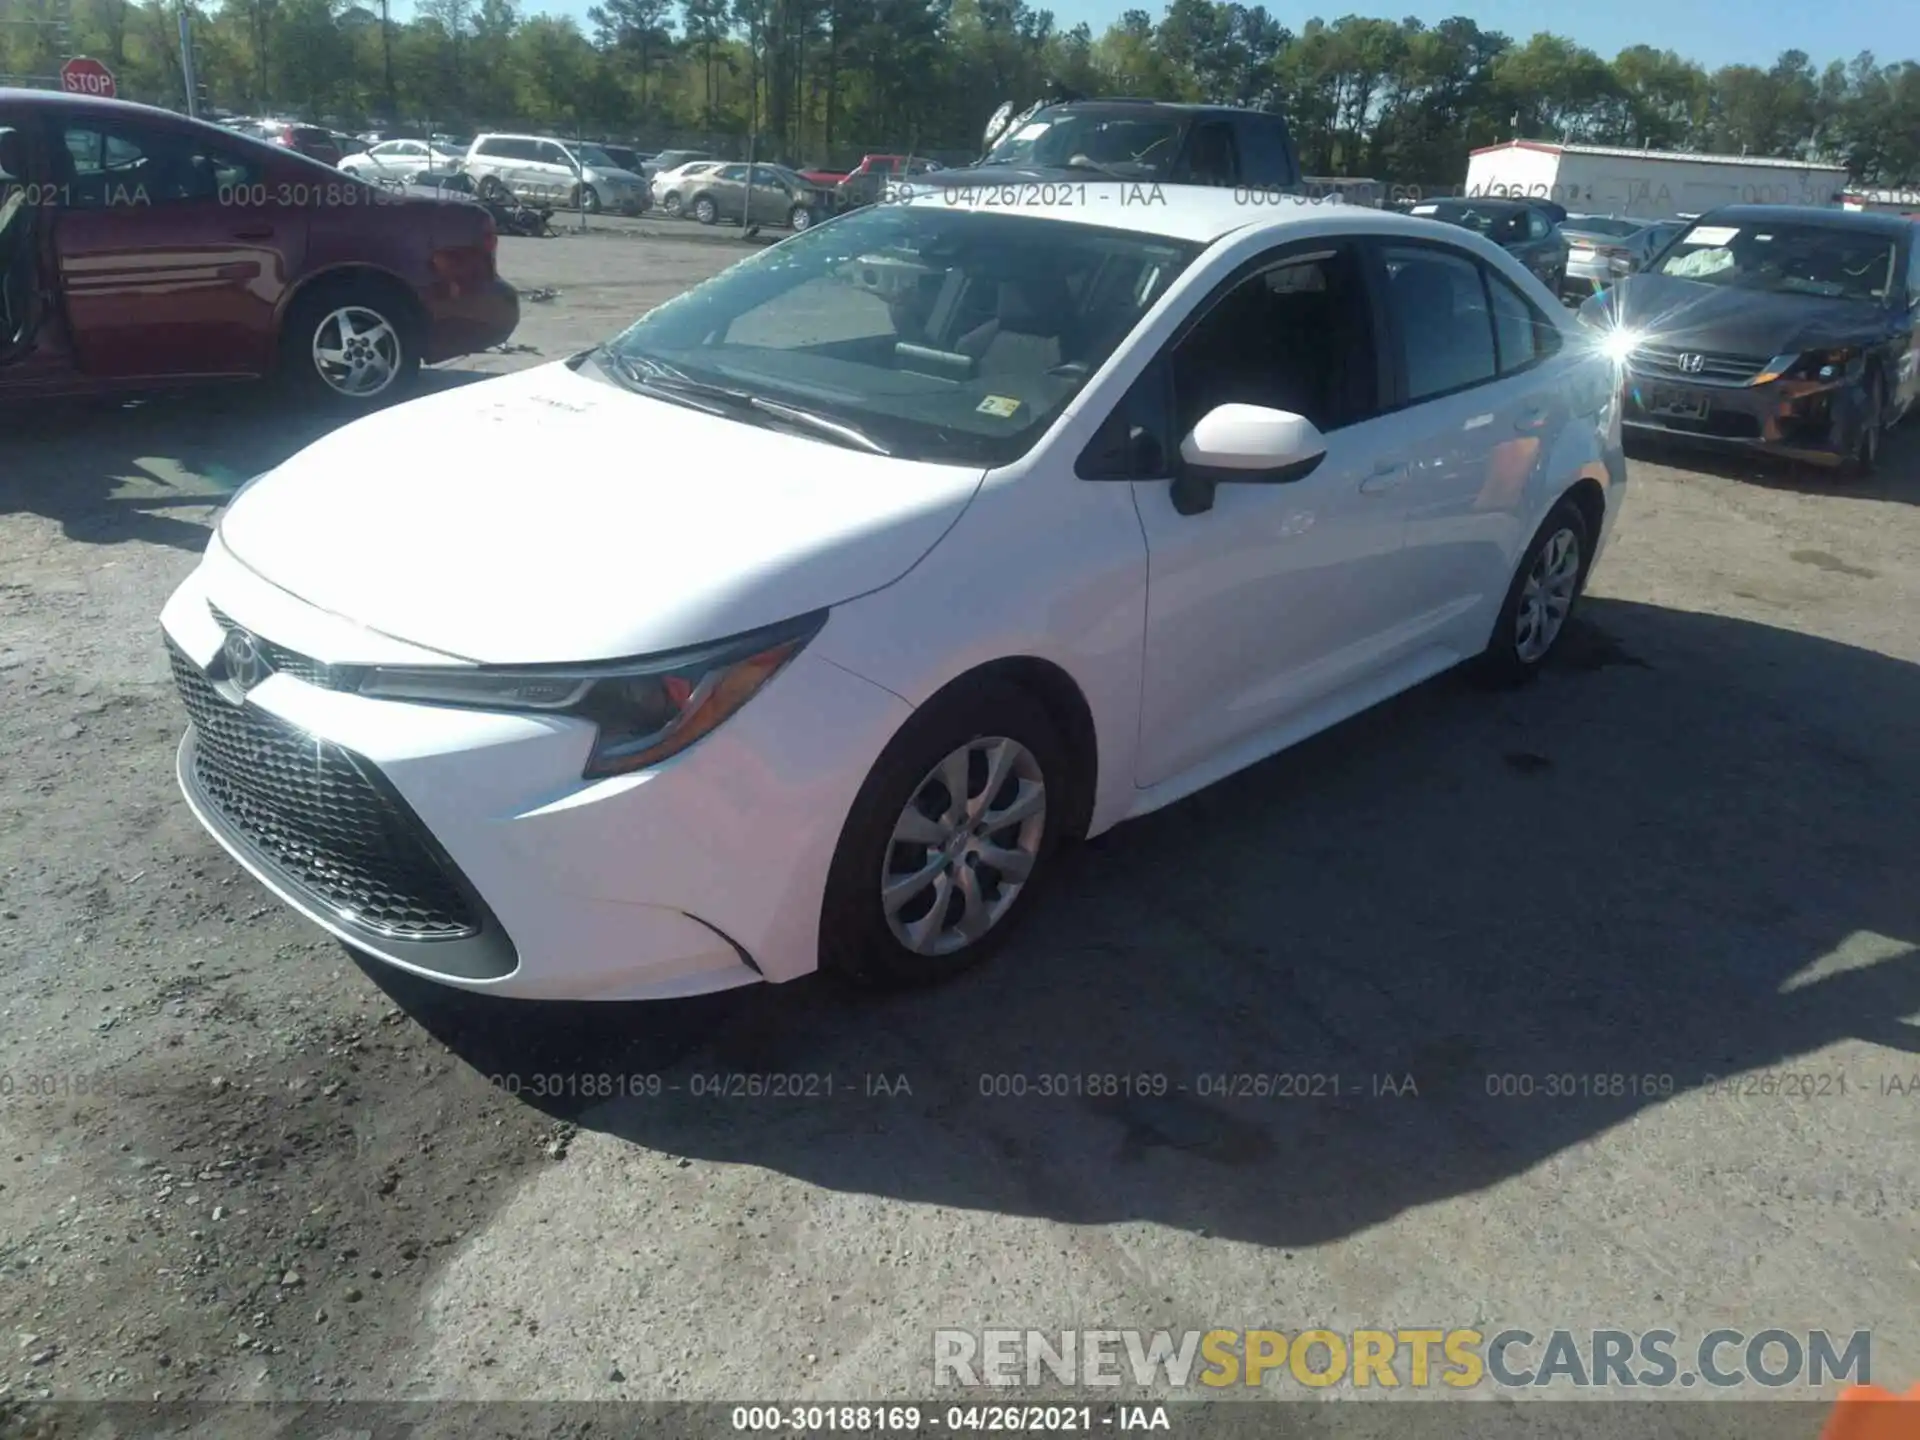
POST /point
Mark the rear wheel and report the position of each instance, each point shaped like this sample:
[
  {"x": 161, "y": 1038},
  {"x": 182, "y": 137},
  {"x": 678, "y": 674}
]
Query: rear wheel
[
  {"x": 705, "y": 211},
  {"x": 671, "y": 204},
  {"x": 588, "y": 199},
  {"x": 1540, "y": 600},
  {"x": 492, "y": 189},
  {"x": 351, "y": 345}
]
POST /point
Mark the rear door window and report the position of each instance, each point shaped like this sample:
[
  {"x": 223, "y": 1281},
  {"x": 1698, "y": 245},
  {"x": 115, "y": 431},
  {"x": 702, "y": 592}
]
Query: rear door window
[{"x": 1446, "y": 332}]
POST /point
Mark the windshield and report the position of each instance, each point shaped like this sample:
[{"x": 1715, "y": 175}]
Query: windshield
[
  {"x": 946, "y": 335},
  {"x": 1786, "y": 259},
  {"x": 1095, "y": 139},
  {"x": 1603, "y": 225},
  {"x": 593, "y": 155}
]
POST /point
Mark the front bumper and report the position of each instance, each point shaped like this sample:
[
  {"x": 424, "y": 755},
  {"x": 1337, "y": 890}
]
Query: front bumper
[
  {"x": 465, "y": 320},
  {"x": 1817, "y": 421},
  {"x": 464, "y": 847}
]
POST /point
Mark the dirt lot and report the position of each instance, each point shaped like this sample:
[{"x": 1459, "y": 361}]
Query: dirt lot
[{"x": 237, "y": 1164}]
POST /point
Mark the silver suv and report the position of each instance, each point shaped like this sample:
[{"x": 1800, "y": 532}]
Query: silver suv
[{"x": 564, "y": 173}]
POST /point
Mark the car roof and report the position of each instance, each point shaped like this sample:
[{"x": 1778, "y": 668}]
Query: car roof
[
  {"x": 1194, "y": 213},
  {"x": 1859, "y": 221}
]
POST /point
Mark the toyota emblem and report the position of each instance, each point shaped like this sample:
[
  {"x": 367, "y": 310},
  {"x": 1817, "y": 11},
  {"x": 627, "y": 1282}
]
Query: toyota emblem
[
  {"x": 246, "y": 667},
  {"x": 1692, "y": 364}
]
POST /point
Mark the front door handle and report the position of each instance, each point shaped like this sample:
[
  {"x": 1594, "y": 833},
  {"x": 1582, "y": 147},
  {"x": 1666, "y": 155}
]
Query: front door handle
[{"x": 1383, "y": 478}]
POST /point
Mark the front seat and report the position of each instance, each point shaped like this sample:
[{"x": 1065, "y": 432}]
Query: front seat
[{"x": 1024, "y": 335}]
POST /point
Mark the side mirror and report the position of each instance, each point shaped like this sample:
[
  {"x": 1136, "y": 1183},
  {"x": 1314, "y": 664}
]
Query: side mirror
[{"x": 1244, "y": 445}]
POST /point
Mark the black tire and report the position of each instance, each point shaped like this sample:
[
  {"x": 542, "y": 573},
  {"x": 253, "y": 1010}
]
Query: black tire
[
  {"x": 314, "y": 318},
  {"x": 1864, "y": 459},
  {"x": 588, "y": 199},
  {"x": 492, "y": 189},
  {"x": 1505, "y": 662},
  {"x": 671, "y": 204},
  {"x": 857, "y": 943},
  {"x": 801, "y": 218},
  {"x": 705, "y": 211}
]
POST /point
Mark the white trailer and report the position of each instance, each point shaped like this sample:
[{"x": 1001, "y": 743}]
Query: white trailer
[{"x": 1652, "y": 184}]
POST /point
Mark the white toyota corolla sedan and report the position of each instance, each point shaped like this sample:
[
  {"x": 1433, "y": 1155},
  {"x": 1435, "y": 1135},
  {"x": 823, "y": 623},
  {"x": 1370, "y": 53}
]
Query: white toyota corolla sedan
[{"x": 873, "y": 569}]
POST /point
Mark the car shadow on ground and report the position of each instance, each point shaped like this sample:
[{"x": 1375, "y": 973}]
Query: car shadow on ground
[
  {"x": 1685, "y": 853},
  {"x": 1896, "y": 479},
  {"x": 118, "y": 469}
]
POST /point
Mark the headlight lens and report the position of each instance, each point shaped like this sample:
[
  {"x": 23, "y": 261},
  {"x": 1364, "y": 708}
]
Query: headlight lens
[
  {"x": 644, "y": 711},
  {"x": 1823, "y": 364}
]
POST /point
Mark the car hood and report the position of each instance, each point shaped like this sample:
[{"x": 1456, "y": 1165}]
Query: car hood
[
  {"x": 549, "y": 517},
  {"x": 1698, "y": 316}
]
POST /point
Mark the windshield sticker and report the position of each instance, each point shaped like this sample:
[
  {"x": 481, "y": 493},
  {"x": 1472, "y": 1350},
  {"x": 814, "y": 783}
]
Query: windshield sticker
[
  {"x": 1031, "y": 132},
  {"x": 1426, "y": 210},
  {"x": 1001, "y": 407},
  {"x": 1712, "y": 234}
]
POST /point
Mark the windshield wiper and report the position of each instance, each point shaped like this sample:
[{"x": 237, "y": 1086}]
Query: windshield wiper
[{"x": 656, "y": 375}]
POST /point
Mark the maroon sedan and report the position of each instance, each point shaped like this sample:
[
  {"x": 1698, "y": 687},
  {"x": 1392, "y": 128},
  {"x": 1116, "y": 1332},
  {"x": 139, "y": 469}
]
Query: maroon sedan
[{"x": 138, "y": 247}]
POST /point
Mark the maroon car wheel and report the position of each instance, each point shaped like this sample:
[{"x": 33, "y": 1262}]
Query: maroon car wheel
[{"x": 350, "y": 345}]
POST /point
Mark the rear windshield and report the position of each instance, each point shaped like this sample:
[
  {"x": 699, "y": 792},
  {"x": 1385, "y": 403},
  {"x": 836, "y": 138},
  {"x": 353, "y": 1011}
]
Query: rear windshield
[
  {"x": 311, "y": 137},
  {"x": 1603, "y": 225}
]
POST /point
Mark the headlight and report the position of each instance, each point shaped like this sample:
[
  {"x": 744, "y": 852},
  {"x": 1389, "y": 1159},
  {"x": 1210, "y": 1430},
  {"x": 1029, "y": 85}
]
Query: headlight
[
  {"x": 1827, "y": 364},
  {"x": 644, "y": 710},
  {"x": 1620, "y": 345}
]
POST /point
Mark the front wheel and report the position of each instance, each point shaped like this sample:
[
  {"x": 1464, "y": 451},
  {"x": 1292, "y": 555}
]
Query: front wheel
[
  {"x": 492, "y": 189},
  {"x": 801, "y": 218},
  {"x": 1540, "y": 600},
  {"x": 1864, "y": 458},
  {"x": 957, "y": 823}
]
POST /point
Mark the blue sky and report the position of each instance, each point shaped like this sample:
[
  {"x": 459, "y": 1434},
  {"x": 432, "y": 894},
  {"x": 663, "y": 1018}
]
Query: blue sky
[{"x": 1713, "y": 32}]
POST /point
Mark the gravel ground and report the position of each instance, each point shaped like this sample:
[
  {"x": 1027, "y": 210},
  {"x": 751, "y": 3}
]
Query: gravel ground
[{"x": 236, "y": 1163}]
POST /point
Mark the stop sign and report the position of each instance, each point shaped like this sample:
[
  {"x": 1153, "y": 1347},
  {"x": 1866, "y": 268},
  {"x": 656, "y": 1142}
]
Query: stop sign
[{"x": 81, "y": 76}]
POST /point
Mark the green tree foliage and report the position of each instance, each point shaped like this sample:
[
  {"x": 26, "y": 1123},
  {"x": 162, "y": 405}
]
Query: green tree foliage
[{"x": 820, "y": 81}]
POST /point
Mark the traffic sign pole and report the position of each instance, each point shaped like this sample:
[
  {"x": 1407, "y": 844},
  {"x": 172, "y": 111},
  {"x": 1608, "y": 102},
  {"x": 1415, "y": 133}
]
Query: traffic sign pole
[{"x": 186, "y": 63}]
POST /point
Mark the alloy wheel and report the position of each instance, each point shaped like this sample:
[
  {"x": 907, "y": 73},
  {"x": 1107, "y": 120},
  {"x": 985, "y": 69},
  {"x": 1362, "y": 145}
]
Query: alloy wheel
[
  {"x": 356, "y": 352},
  {"x": 1547, "y": 595},
  {"x": 964, "y": 847}
]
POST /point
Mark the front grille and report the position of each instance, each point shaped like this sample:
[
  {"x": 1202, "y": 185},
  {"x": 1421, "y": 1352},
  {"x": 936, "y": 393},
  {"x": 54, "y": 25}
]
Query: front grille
[
  {"x": 1662, "y": 362},
  {"x": 283, "y": 661},
  {"x": 321, "y": 817}
]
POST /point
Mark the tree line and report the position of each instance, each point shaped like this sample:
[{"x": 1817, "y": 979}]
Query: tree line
[{"x": 820, "y": 81}]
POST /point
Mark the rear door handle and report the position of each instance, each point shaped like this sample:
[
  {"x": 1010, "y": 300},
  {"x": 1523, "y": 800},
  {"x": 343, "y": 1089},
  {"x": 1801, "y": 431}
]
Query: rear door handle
[
  {"x": 1383, "y": 478},
  {"x": 1531, "y": 420}
]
